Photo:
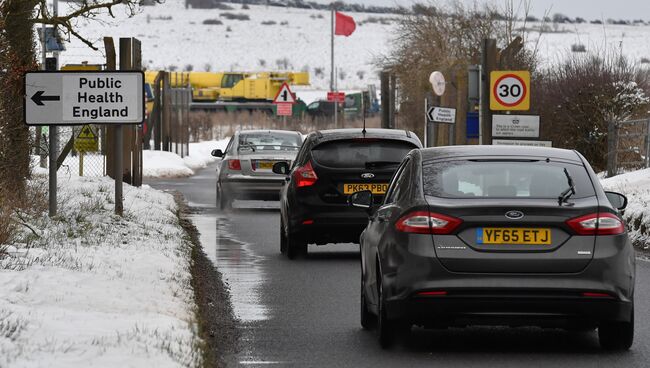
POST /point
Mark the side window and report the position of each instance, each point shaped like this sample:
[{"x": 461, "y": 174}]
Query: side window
[
  {"x": 393, "y": 188},
  {"x": 229, "y": 146},
  {"x": 302, "y": 153}
]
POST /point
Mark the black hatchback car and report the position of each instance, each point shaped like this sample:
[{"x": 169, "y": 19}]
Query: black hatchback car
[
  {"x": 499, "y": 236},
  {"x": 331, "y": 165}
]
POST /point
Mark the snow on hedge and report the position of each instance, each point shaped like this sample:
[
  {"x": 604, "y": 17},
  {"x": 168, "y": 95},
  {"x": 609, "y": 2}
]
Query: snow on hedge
[
  {"x": 159, "y": 164},
  {"x": 88, "y": 288},
  {"x": 636, "y": 186}
]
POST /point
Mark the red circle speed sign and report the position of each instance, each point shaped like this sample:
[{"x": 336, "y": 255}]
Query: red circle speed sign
[{"x": 510, "y": 90}]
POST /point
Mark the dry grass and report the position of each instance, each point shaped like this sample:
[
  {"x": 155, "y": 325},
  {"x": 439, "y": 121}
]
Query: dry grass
[{"x": 219, "y": 125}]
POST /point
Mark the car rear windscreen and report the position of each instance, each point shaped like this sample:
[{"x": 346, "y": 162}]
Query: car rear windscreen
[
  {"x": 361, "y": 153},
  {"x": 268, "y": 141},
  {"x": 503, "y": 179}
]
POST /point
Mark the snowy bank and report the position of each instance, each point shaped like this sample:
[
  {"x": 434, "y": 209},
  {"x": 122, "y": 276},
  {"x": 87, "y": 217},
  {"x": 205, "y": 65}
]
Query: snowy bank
[
  {"x": 90, "y": 288},
  {"x": 159, "y": 164},
  {"x": 636, "y": 186}
]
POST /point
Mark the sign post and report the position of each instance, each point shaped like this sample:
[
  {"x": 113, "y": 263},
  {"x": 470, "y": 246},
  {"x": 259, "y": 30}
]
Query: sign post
[
  {"x": 78, "y": 98},
  {"x": 284, "y": 101},
  {"x": 510, "y": 91}
]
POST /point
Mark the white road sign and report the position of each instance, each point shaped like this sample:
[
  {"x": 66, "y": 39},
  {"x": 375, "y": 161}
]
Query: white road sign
[
  {"x": 69, "y": 98},
  {"x": 442, "y": 115},
  {"x": 515, "y": 126},
  {"x": 521, "y": 142},
  {"x": 284, "y": 95}
]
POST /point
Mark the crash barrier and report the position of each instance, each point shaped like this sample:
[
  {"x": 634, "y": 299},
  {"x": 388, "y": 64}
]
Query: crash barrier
[{"x": 628, "y": 146}]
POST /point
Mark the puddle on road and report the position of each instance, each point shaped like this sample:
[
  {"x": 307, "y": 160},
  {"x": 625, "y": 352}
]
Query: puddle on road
[{"x": 240, "y": 267}]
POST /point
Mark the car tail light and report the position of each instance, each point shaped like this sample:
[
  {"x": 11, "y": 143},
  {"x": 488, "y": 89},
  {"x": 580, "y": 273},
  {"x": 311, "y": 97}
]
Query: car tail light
[
  {"x": 425, "y": 222},
  {"x": 234, "y": 164},
  {"x": 432, "y": 293},
  {"x": 596, "y": 295},
  {"x": 601, "y": 223},
  {"x": 305, "y": 175}
]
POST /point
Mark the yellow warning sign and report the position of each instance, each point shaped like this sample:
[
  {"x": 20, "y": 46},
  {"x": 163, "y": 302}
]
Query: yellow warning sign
[{"x": 86, "y": 141}]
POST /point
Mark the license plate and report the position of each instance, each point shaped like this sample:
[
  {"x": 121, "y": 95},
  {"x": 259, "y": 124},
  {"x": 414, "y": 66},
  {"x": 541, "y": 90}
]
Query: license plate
[
  {"x": 378, "y": 188},
  {"x": 265, "y": 165},
  {"x": 524, "y": 236}
]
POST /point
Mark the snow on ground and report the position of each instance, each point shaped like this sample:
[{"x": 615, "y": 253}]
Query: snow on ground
[
  {"x": 636, "y": 186},
  {"x": 160, "y": 164},
  {"x": 173, "y": 36},
  {"x": 88, "y": 288}
]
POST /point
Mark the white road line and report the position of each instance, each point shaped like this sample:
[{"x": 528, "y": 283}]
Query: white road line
[{"x": 251, "y": 362}]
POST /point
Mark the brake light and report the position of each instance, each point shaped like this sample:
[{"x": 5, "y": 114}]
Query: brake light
[
  {"x": 433, "y": 293},
  {"x": 425, "y": 222},
  {"x": 601, "y": 223},
  {"x": 234, "y": 164},
  {"x": 305, "y": 175},
  {"x": 596, "y": 295}
]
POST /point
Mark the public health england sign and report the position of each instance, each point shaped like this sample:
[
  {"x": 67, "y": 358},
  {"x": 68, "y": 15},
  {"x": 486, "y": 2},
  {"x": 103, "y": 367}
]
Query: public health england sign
[{"x": 71, "y": 97}]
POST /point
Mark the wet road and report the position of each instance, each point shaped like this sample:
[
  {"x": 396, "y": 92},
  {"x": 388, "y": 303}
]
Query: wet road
[{"x": 305, "y": 313}]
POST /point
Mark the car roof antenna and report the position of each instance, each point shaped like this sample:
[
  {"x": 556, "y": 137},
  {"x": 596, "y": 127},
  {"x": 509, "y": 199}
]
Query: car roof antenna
[{"x": 363, "y": 113}]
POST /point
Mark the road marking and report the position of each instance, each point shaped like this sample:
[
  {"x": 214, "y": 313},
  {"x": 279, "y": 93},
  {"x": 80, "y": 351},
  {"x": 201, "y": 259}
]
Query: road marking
[{"x": 251, "y": 362}]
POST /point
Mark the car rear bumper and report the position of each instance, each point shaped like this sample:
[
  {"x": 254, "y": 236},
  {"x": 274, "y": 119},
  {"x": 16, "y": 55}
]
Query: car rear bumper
[
  {"x": 330, "y": 227},
  {"x": 242, "y": 186},
  {"x": 462, "y": 308}
]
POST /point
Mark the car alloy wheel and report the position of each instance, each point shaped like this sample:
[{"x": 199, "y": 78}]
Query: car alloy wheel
[
  {"x": 385, "y": 327},
  {"x": 283, "y": 238}
]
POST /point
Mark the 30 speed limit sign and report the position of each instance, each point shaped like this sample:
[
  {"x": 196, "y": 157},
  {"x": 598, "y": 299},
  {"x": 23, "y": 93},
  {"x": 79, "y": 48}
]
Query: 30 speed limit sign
[{"x": 510, "y": 90}]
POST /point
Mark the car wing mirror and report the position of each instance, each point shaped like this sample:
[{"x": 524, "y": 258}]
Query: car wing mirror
[
  {"x": 361, "y": 199},
  {"x": 617, "y": 200},
  {"x": 281, "y": 168},
  {"x": 217, "y": 153}
]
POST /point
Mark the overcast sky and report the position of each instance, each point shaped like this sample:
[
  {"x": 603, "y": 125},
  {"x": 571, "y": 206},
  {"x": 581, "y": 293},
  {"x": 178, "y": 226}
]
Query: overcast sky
[{"x": 588, "y": 9}]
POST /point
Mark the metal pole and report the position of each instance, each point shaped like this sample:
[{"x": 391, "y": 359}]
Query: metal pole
[
  {"x": 426, "y": 123},
  {"x": 119, "y": 170},
  {"x": 332, "y": 54},
  {"x": 336, "y": 105},
  {"x": 481, "y": 101}
]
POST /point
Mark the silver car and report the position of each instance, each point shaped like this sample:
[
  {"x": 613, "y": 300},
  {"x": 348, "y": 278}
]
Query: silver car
[{"x": 246, "y": 167}]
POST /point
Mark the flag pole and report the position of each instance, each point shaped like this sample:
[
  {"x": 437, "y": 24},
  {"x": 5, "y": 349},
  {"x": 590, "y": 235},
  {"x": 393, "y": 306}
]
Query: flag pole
[{"x": 332, "y": 53}]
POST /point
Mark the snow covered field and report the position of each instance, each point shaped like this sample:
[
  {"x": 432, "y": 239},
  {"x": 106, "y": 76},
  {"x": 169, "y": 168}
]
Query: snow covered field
[
  {"x": 91, "y": 289},
  {"x": 636, "y": 186},
  {"x": 173, "y": 36},
  {"x": 159, "y": 164}
]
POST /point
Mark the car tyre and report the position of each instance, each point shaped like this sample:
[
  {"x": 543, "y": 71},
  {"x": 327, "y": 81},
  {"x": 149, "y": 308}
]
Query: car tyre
[
  {"x": 296, "y": 246},
  {"x": 368, "y": 320},
  {"x": 224, "y": 202},
  {"x": 283, "y": 238},
  {"x": 616, "y": 335},
  {"x": 386, "y": 330}
]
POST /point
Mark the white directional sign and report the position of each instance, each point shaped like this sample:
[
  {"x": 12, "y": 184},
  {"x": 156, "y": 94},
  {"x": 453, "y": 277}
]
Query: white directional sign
[
  {"x": 515, "y": 126},
  {"x": 284, "y": 95},
  {"x": 69, "y": 98},
  {"x": 521, "y": 142},
  {"x": 442, "y": 115}
]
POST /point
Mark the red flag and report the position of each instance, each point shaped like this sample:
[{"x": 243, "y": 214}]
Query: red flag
[{"x": 344, "y": 25}]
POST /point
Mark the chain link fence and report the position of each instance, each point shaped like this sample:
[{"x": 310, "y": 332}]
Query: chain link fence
[{"x": 81, "y": 158}]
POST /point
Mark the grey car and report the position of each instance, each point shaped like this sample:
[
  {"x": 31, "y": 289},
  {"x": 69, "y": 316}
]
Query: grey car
[
  {"x": 493, "y": 235},
  {"x": 246, "y": 167}
]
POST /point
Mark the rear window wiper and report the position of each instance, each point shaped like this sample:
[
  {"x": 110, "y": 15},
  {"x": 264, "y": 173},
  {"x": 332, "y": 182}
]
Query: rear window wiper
[
  {"x": 571, "y": 190},
  {"x": 371, "y": 164}
]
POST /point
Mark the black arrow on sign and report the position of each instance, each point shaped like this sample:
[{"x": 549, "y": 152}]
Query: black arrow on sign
[{"x": 38, "y": 98}]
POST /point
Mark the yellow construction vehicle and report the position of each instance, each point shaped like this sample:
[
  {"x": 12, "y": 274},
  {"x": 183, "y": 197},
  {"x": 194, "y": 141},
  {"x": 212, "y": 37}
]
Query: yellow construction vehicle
[{"x": 234, "y": 90}]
